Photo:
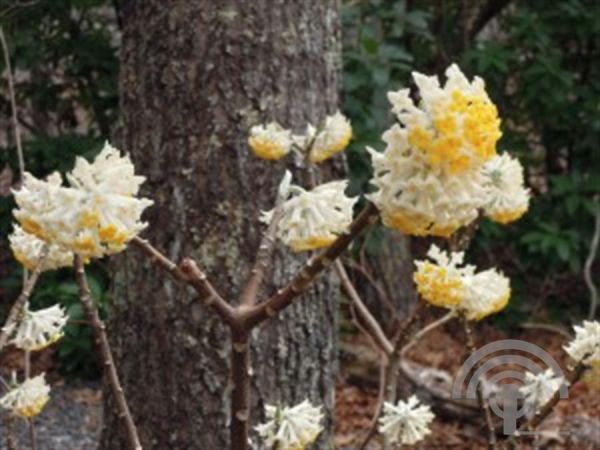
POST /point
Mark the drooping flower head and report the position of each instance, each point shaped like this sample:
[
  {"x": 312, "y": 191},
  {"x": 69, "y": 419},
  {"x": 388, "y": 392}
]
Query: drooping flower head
[
  {"x": 407, "y": 422},
  {"x": 94, "y": 217},
  {"x": 313, "y": 219},
  {"x": 539, "y": 388},
  {"x": 291, "y": 428},
  {"x": 333, "y": 138},
  {"x": 37, "y": 329},
  {"x": 585, "y": 347},
  {"x": 487, "y": 293},
  {"x": 417, "y": 200},
  {"x": 448, "y": 283},
  {"x": 270, "y": 141},
  {"x": 28, "y": 250},
  {"x": 508, "y": 198},
  {"x": 27, "y": 399},
  {"x": 454, "y": 127}
]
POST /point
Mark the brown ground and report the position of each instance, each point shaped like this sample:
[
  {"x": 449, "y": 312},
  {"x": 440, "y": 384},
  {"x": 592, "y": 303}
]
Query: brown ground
[{"x": 444, "y": 349}]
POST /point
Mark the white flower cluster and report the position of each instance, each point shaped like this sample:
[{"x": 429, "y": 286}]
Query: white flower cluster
[
  {"x": 450, "y": 284},
  {"x": 291, "y": 428},
  {"x": 539, "y": 388},
  {"x": 333, "y": 138},
  {"x": 37, "y": 329},
  {"x": 96, "y": 216},
  {"x": 273, "y": 142},
  {"x": 28, "y": 249},
  {"x": 27, "y": 399},
  {"x": 507, "y": 196},
  {"x": 313, "y": 219},
  {"x": 407, "y": 422},
  {"x": 417, "y": 200},
  {"x": 585, "y": 347},
  {"x": 431, "y": 178}
]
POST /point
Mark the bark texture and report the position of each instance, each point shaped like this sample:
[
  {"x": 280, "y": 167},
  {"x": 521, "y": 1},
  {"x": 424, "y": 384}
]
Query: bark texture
[{"x": 196, "y": 75}]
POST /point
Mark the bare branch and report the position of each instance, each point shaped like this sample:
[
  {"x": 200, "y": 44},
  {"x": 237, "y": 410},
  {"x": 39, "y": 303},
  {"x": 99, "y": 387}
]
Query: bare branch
[
  {"x": 13, "y": 105},
  {"x": 284, "y": 297},
  {"x": 263, "y": 258},
  {"x": 368, "y": 321},
  {"x": 483, "y": 404},
  {"x": 379, "y": 406},
  {"x": 428, "y": 329},
  {"x": 490, "y": 10},
  {"x": 587, "y": 268},
  {"x": 198, "y": 280},
  {"x": 107, "y": 359},
  {"x": 159, "y": 259},
  {"x": 189, "y": 272}
]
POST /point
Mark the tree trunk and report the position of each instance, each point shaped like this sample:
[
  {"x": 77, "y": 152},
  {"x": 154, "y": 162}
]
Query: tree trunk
[{"x": 196, "y": 75}]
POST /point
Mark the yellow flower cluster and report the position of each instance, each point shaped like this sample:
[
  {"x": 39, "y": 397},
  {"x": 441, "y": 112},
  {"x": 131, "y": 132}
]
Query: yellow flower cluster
[
  {"x": 456, "y": 126},
  {"x": 432, "y": 177},
  {"x": 448, "y": 283},
  {"x": 273, "y": 142}
]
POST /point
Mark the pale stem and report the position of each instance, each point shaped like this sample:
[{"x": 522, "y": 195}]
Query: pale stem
[
  {"x": 587, "y": 269},
  {"x": 483, "y": 404}
]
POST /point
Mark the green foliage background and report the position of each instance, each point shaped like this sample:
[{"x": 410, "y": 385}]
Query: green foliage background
[{"x": 540, "y": 60}]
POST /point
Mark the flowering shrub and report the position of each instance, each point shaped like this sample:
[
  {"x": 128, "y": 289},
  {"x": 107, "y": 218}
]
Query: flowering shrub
[{"x": 439, "y": 173}]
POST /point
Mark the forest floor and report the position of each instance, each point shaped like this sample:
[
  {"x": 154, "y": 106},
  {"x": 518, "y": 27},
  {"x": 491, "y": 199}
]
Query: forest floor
[{"x": 73, "y": 418}]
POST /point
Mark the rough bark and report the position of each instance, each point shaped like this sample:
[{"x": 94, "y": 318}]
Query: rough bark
[{"x": 196, "y": 75}]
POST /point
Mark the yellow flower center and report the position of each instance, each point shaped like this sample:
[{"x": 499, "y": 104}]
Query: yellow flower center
[
  {"x": 312, "y": 243},
  {"x": 337, "y": 146},
  {"x": 32, "y": 409},
  {"x": 437, "y": 286},
  {"x": 266, "y": 148}
]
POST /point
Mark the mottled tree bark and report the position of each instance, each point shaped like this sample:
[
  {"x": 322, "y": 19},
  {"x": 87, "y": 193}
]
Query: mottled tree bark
[{"x": 196, "y": 75}]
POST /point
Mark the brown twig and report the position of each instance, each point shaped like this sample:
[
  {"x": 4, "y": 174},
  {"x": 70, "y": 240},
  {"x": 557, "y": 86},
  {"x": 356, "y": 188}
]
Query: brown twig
[
  {"x": 373, "y": 328},
  {"x": 263, "y": 258},
  {"x": 428, "y": 329},
  {"x": 379, "y": 406},
  {"x": 17, "y": 308},
  {"x": 284, "y": 297},
  {"x": 30, "y": 422},
  {"x": 483, "y": 404},
  {"x": 189, "y": 272},
  {"x": 354, "y": 265},
  {"x": 32, "y": 433},
  {"x": 107, "y": 358},
  {"x": 159, "y": 259}
]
